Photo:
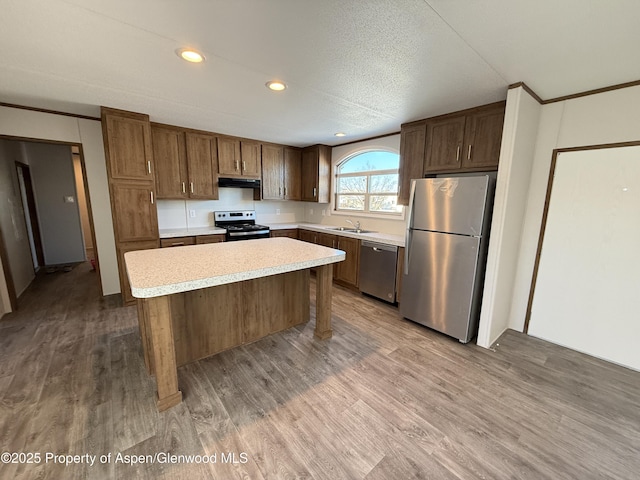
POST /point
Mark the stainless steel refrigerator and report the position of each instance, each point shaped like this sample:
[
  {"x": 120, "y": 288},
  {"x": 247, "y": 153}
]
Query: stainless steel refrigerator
[{"x": 445, "y": 253}]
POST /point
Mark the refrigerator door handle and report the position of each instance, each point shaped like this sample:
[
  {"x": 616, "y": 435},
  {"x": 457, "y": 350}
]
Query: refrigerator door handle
[{"x": 407, "y": 236}]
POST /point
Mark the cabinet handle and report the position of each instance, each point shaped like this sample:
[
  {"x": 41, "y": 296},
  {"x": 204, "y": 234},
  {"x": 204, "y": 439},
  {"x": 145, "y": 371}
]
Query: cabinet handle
[
  {"x": 285, "y": 191},
  {"x": 149, "y": 166},
  {"x": 338, "y": 243},
  {"x": 191, "y": 186},
  {"x": 333, "y": 244},
  {"x": 458, "y": 154},
  {"x": 244, "y": 166},
  {"x": 279, "y": 190},
  {"x": 184, "y": 190},
  {"x": 236, "y": 165},
  {"x": 314, "y": 191},
  {"x": 151, "y": 192},
  {"x": 177, "y": 244},
  {"x": 469, "y": 153}
]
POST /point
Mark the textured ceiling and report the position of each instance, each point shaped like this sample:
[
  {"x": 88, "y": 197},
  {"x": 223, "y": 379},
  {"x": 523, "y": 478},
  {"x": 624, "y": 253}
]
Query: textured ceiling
[{"x": 360, "y": 67}]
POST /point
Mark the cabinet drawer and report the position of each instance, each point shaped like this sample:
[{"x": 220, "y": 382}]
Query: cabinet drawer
[
  {"x": 177, "y": 242},
  {"x": 201, "y": 239}
]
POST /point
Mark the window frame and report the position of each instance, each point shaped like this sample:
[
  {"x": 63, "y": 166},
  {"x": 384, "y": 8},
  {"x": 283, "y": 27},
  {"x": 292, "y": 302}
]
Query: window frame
[{"x": 399, "y": 215}]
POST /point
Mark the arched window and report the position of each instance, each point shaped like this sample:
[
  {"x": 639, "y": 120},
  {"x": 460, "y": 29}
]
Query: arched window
[{"x": 368, "y": 182}]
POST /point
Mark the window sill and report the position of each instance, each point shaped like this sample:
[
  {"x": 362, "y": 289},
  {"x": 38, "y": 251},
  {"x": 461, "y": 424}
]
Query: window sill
[{"x": 382, "y": 216}]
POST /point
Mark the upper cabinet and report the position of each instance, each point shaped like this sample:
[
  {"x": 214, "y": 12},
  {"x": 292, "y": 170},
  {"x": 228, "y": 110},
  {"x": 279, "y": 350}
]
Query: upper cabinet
[
  {"x": 238, "y": 158},
  {"x": 281, "y": 167},
  {"x": 412, "y": 143},
  {"x": 202, "y": 165},
  {"x": 465, "y": 141},
  {"x": 170, "y": 156},
  {"x": 127, "y": 145},
  {"x": 186, "y": 163},
  {"x": 316, "y": 176}
]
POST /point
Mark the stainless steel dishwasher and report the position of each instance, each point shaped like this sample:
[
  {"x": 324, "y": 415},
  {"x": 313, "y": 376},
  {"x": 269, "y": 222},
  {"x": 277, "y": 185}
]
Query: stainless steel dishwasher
[{"x": 378, "y": 270}]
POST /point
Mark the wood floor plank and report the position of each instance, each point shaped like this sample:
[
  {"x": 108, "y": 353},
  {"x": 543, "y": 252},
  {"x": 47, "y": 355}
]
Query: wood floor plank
[{"x": 384, "y": 398}]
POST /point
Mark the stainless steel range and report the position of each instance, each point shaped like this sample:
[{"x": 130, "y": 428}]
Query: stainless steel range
[{"x": 240, "y": 225}]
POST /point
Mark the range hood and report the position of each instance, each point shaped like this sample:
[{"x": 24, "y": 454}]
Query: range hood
[{"x": 239, "y": 182}]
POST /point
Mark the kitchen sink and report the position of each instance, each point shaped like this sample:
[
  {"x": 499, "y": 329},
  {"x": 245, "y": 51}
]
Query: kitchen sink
[{"x": 350, "y": 230}]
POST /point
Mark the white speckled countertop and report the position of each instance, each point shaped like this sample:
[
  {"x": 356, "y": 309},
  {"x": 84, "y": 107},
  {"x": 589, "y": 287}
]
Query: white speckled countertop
[
  {"x": 386, "y": 238},
  {"x": 163, "y": 271}
]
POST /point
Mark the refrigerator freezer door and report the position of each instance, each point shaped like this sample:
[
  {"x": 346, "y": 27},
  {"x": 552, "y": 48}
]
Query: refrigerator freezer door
[
  {"x": 438, "y": 289},
  {"x": 451, "y": 204}
]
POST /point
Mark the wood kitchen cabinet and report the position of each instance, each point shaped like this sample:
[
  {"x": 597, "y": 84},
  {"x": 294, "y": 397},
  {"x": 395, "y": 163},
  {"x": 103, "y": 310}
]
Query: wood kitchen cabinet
[
  {"x": 216, "y": 238},
  {"x": 202, "y": 165},
  {"x": 134, "y": 212},
  {"x": 121, "y": 249},
  {"x": 177, "y": 241},
  {"x": 239, "y": 158},
  {"x": 131, "y": 178},
  {"x": 347, "y": 272},
  {"x": 307, "y": 236},
  {"x": 465, "y": 141},
  {"x": 412, "y": 144},
  {"x": 316, "y": 173},
  {"x": 170, "y": 156},
  {"x": 281, "y": 170},
  {"x": 289, "y": 232},
  {"x": 127, "y": 143},
  {"x": 186, "y": 163}
]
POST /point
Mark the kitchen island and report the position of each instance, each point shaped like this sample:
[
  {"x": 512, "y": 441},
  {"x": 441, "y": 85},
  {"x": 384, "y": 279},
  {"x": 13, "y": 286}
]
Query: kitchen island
[{"x": 198, "y": 300}]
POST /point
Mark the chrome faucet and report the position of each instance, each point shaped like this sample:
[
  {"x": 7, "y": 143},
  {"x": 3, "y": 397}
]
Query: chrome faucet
[{"x": 355, "y": 225}]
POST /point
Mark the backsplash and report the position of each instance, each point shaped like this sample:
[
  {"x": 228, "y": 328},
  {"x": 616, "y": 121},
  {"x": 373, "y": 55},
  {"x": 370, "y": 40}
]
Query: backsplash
[{"x": 199, "y": 213}]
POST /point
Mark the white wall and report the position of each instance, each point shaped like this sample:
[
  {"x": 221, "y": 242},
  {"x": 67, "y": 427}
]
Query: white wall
[
  {"x": 176, "y": 213},
  {"x": 609, "y": 117},
  {"x": 12, "y": 221},
  {"x": 45, "y": 126},
  {"x": 51, "y": 168},
  {"x": 323, "y": 214},
  {"x": 82, "y": 202},
  {"x": 516, "y": 157},
  {"x": 586, "y": 295}
]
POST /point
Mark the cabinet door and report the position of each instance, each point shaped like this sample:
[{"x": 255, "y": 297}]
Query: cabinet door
[
  {"x": 290, "y": 233},
  {"x": 217, "y": 238},
  {"x": 123, "y": 248},
  {"x": 202, "y": 160},
  {"x": 177, "y": 242},
  {"x": 347, "y": 271},
  {"x": 316, "y": 173},
  {"x": 482, "y": 138},
  {"x": 250, "y": 156},
  {"x": 327, "y": 239},
  {"x": 444, "y": 144},
  {"x": 170, "y": 159},
  {"x": 307, "y": 236},
  {"x": 412, "y": 143},
  {"x": 292, "y": 173},
  {"x": 229, "y": 156},
  {"x": 128, "y": 145},
  {"x": 135, "y": 216},
  {"x": 272, "y": 172}
]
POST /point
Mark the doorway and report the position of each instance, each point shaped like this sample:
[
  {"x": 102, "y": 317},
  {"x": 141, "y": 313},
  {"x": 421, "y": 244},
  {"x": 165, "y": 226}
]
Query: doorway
[
  {"x": 50, "y": 223},
  {"x": 30, "y": 214}
]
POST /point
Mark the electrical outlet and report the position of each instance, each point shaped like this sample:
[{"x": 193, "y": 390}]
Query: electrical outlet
[
  {"x": 192, "y": 213},
  {"x": 277, "y": 211}
]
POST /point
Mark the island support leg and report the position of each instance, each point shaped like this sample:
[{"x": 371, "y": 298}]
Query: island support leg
[
  {"x": 324, "y": 280},
  {"x": 164, "y": 355}
]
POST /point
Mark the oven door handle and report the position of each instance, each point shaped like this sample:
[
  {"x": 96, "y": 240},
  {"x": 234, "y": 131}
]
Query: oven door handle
[{"x": 244, "y": 234}]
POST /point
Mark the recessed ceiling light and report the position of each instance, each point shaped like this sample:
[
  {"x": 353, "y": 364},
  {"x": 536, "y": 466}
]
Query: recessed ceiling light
[
  {"x": 190, "y": 55},
  {"x": 276, "y": 85},
  {"x": 340, "y": 134}
]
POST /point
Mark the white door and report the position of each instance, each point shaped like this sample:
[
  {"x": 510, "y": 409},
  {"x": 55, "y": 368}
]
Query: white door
[{"x": 587, "y": 293}]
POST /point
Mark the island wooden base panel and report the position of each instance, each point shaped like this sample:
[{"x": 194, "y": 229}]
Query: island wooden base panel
[{"x": 384, "y": 398}]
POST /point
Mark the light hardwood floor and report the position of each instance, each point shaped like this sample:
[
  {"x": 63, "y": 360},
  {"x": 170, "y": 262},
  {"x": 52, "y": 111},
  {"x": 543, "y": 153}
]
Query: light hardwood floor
[{"x": 383, "y": 399}]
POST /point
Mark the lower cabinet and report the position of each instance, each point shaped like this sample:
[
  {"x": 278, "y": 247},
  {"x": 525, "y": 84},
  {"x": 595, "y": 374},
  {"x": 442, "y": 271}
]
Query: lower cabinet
[
  {"x": 345, "y": 273},
  {"x": 289, "y": 232},
  {"x": 123, "y": 248},
  {"x": 217, "y": 238},
  {"x": 177, "y": 242}
]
